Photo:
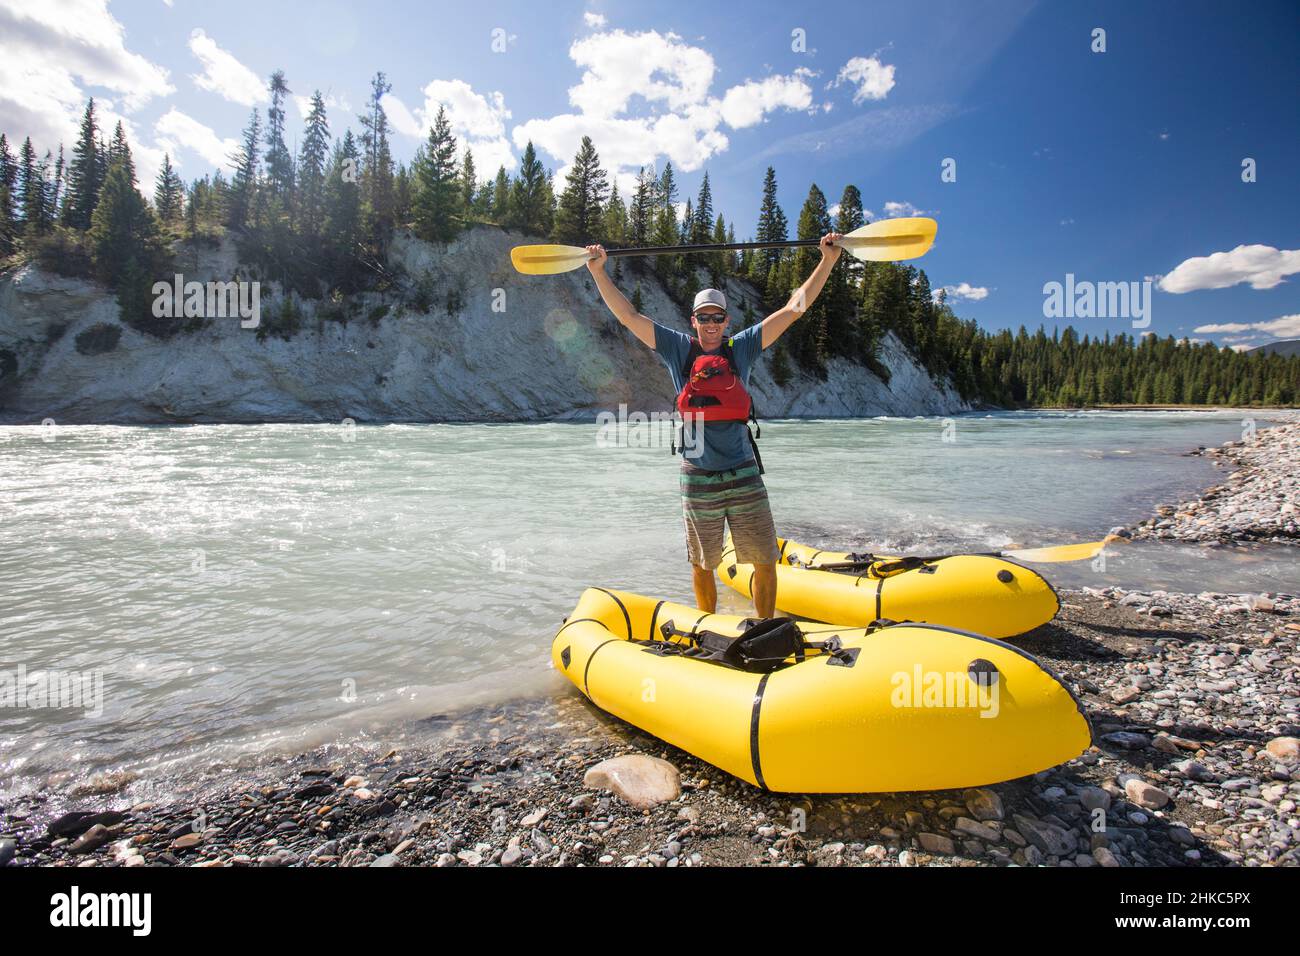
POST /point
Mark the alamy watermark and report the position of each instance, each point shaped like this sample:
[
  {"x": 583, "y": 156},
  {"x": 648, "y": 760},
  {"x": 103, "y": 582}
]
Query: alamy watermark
[
  {"x": 1098, "y": 300},
  {"x": 212, "y": 300},
  {"x": 624, "y": 429},
  {"x": 53, "y": 690},
  {"x": 976, "y": 690}
]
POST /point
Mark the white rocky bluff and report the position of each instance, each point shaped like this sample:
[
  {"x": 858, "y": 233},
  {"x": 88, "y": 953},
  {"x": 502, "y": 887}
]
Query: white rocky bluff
[{"x": 555, "y": 352}]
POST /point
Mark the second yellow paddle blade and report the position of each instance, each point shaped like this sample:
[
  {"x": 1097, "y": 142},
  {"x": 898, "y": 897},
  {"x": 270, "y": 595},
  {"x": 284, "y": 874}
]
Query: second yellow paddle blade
[
  {"x": 891, "y": 240},
  {"x": 547, "y": 260},
  {"x": 1061, "y": 552}
]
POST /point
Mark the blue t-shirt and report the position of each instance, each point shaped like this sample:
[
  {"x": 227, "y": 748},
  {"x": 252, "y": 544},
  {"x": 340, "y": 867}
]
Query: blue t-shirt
[{"x": 723, "y": 445}]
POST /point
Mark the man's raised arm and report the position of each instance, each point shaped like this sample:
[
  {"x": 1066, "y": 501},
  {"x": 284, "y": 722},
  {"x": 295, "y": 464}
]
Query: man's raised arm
[
  {"x": 780, "y": 320},
  {"x": 632, "y": 320}
]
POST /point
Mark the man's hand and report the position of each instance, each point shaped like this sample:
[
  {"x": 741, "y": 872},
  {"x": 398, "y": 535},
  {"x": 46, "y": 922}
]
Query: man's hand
[
  {"x": 830, "y": 251},
  {"x": 597, "y": 261}
]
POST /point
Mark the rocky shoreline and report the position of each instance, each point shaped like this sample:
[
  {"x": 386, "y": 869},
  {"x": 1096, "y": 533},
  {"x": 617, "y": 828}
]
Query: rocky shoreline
[
  {"x": 1194, "y": 701},
  {"x": 1259, "y": 501}
]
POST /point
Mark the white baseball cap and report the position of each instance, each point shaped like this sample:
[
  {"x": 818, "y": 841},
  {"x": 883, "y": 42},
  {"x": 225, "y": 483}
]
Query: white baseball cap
[{"x": 709, "y": 297}]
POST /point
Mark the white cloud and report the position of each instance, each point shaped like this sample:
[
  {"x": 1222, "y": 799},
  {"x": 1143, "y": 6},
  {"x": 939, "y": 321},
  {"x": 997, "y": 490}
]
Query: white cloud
[
  {"x": 177, "y": 131},
  {"x": 473, "y": 115},
  {"x": 872, "y": 78},
  {"x": 223, "y": 74},
  {"x": 658, "y": 67},
  {"x": 895, "y": 210},
  {"x": 594, "y": 20},
  {"x": 477, "y": 120},
  {"x": 746, "y": 104},
  {"x": 1262, "y": 266},
  {"x": 1221, "y": 328},
  {"x": 47, "y": 44},
  {"x": 964, "y": 290},
  {"x": 1283, "y": 327},
  {"x": 669, "y": 82},
  {"x": 401, "y": 118},
  {"x": 56, "y": 56},
  {"x": 49, "y": 48}
]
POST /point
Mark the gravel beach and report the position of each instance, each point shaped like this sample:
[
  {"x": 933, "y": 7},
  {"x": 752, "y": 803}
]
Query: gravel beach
[
  {"x": 1258, "y": 501},
  {"x": 1194, "y": 701}
]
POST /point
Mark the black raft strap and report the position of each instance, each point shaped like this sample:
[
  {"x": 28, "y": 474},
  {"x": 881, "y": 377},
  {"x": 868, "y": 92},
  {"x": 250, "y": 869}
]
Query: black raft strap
[{"x": 762, "y": 648}]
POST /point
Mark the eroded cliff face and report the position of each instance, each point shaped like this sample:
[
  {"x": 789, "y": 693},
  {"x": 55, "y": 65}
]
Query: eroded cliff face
[{"x": 554, "y": 352}]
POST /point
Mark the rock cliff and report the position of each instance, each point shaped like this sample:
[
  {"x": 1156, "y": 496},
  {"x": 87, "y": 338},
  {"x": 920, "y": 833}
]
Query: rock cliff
[{"x": 554, "y": 352}]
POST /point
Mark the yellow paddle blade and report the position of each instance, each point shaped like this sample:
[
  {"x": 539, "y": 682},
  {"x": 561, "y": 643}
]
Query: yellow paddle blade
[
  {"x": 891, "y": 240},
  {"x": 1063, "y": 552},
  {"x": 548, "y": 260}
]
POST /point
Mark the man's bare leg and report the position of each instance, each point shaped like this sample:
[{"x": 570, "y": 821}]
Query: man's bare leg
[
  {"x": 706, "y": 588},
  {"x": 764, "y": 590}
]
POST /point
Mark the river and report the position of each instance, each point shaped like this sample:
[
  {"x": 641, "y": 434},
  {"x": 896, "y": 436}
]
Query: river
[{"x": 243, "y": 589}]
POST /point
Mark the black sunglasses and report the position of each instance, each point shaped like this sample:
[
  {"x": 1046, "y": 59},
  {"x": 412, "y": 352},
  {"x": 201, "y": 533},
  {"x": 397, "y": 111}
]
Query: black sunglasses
[{"x": 710, "y": 318}]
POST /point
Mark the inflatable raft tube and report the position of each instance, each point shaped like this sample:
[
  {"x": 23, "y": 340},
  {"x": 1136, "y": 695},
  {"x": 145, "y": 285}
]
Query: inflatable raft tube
[
  {"x": 984, "y": 593},
  {"x": 908, "y": 713}
]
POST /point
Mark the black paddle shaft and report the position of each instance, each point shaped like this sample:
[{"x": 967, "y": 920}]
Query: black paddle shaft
[{"x": 710, "y": 247}]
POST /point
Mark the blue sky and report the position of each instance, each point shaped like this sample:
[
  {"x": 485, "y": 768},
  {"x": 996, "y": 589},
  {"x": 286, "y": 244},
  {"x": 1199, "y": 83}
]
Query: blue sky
[{"x": 1112, "y": 166}]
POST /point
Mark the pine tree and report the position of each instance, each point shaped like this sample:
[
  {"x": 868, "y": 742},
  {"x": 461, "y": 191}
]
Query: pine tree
[
  {"x": 8, "y": 227},
  {"x": 436, "y": 197},
  {"x": 120, "y": 152},
  {"x": 243, "y": 185},
  {"x": 615, "y": 227},
  {"x": 311, "y": 168},
  {"x": 56, "y": 190},
  {"x": 641, "y": 213},
  {"x": 530, "y": 196},
  {"x": 8, "y": 177},
  {"x": 343, "y": 205},
  {"x": 168, "y": 193},
  {"x": 126, "y": 248},
  {"x": 578, "y": 219},
  {"x": 31, "y": 189},
  {"x": 716, "y": 262},
  {"x": 808, "y": 336},
  {"x": 279, "y": 162},
  {"x": 666, "y": 233},
  {"x": 772, "y": 227},
  {"x": 702, "y": 224},
  {"x": 84, "y": 173},
  {"x": 501, "y": 197},
  {"x": 377, "y": 169},
  {"x": 468, "y": 182},
  {"x": 403, "y": 194}
]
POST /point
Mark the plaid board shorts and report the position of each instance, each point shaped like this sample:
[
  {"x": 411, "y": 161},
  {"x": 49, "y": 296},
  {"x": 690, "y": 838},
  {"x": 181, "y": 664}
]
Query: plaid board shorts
[{"x": 712, "y": 499}]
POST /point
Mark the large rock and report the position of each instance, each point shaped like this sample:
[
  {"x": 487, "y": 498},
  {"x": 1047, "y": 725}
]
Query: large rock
[
  {"x": 1144, "y": 795},
  {"x": 640, "y": 780},
  {"x": 1047, "y": 837},
  {"x": 1284, "y": 748},
  {"x": 984, "y": 804}
]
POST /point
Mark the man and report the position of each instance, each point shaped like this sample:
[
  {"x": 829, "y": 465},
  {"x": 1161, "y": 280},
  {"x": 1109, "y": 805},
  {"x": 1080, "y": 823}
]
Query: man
[{"x": 720, "y": 478}]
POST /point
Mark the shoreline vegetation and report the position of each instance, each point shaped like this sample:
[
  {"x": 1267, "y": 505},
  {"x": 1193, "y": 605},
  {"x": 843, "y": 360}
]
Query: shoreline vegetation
[
  {"x": 1194, "y": 701},
  {"x": 318, "y": 230}
]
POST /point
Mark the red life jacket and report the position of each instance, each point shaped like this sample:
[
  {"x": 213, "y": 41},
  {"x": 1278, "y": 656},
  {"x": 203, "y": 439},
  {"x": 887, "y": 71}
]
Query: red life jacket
[{"x": 713, "y": 391}]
